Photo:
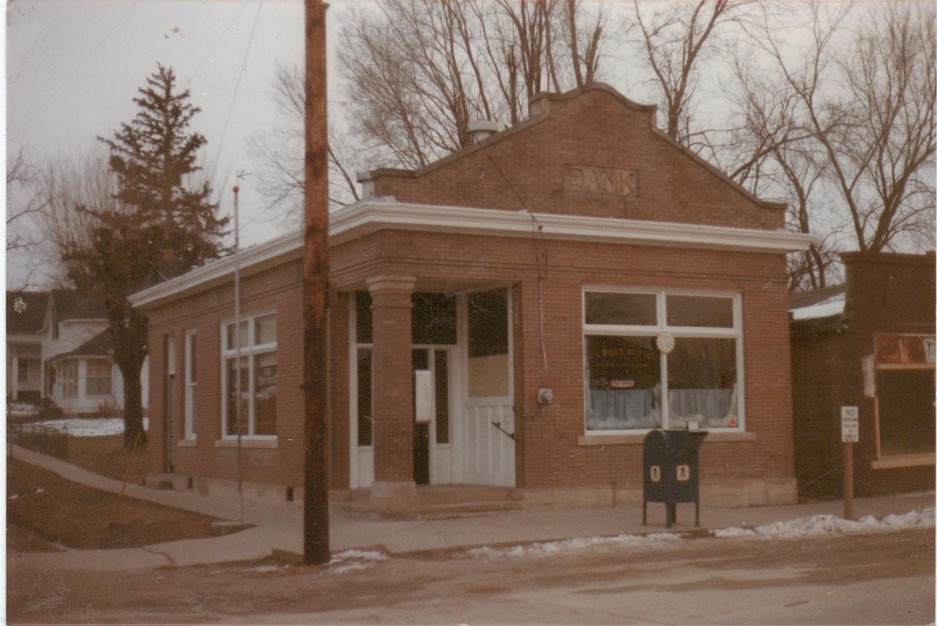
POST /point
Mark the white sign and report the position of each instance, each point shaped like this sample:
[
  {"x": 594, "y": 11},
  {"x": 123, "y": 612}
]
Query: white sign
[
  {"x": 850, "y": 423},
  {"x": 423, "y": 394}
]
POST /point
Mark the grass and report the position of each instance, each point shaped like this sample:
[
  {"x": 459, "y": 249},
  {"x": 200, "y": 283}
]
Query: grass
[{"x": 48, "y": 512}]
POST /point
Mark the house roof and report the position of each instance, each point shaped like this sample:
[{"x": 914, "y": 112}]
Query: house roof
[
  {"x": 71, "y": 304},
  {"x": 26, "y": 311},
  {"x": 817, "y": 303},
  {"x": 99, "y": 345}
]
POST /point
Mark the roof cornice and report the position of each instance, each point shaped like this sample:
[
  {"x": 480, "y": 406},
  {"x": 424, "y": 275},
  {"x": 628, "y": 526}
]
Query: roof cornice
[{"x": 376, "y": 214}]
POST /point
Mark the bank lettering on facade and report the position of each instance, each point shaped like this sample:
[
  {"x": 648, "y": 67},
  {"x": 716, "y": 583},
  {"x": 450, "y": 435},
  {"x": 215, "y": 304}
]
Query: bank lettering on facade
[{"x": 605, "y": 180}]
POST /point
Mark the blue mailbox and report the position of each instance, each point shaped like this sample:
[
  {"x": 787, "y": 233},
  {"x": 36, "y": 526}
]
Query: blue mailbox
[{"x": 671, "y": 470}]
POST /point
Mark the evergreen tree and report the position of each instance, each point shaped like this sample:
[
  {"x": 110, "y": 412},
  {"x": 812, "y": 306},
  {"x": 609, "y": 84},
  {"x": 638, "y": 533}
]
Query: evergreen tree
[{"x": 160, "y": 224}]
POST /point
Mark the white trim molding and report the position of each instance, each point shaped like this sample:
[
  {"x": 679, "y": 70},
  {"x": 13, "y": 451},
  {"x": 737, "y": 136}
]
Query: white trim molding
[{"x": 376, "y": 214}]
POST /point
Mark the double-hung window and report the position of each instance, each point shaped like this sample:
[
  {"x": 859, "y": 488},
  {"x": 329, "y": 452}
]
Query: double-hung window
[
  {"x": 191, "y": 382},
  {"x": 68, "y": 378},
  {"x": 250, "y": 388},
  {"x": 661, "y": 359},
  {"x": 98, "y": 378}
]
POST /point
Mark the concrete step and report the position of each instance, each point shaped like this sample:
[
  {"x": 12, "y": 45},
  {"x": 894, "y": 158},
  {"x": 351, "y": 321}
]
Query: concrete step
[
  {"x": 438, "y": 502},
  {"x": 433, "y": 495},
  {"x": 468, "y": 509}
]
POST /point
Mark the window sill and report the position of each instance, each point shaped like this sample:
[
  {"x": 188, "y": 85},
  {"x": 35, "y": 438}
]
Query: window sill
[
  {"x": 246, "y": 442},
  {"x": 904, "y": 460},
  {"x": 638, "y": 439},
  {"x": 187, "y": 443}
]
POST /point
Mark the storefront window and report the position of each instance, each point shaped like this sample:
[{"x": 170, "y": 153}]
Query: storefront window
[
  {"x": 255, "y": 386},
  {"x": 904, "y": 388},
  {"x": 661, "y": 360}
]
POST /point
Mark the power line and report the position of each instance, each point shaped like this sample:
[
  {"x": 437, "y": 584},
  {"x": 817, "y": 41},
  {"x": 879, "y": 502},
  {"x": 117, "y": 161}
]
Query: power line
[{"x": 62, "y": 85}]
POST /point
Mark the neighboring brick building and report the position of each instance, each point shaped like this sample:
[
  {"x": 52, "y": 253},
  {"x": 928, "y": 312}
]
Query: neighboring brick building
[
  {"x": 539, "y": 300},
  {"x": 870, "y": 344}
]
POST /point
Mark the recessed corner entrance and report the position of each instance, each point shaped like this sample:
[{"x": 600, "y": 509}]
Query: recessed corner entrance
[{"x": 463, "y": 421}]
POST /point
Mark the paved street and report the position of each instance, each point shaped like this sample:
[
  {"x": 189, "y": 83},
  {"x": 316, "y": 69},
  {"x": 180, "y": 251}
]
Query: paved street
[{"x": 880, "y": 578}]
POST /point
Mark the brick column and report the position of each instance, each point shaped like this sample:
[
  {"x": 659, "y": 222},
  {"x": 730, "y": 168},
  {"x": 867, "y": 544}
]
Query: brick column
[{"x": 393, "y": 491}]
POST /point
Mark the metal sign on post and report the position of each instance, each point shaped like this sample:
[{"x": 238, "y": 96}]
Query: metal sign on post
[
  {"x": 849, "y": 417},
  {"x": 849, "y": 420}
]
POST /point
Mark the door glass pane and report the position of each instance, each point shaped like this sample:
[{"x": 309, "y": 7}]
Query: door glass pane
[
  {"x": 488, "y": 327},
  {"x": 634, "y": 309},
  {"x": 699, "y": 311},
  {"x": 702, "y": 383},
  {"x": 622, "y": 383},
  {"x": 441, "y": 374}
]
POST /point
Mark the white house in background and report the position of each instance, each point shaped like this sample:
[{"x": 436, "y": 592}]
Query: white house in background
[
  {"x": 69, "y": 354},
  {"x": 25, "y": 316}
]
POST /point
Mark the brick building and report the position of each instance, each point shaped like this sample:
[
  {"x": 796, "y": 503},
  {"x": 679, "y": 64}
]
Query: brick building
[
  {"x": 517, "y": 314},
  {"x": 870, "y": 344}
]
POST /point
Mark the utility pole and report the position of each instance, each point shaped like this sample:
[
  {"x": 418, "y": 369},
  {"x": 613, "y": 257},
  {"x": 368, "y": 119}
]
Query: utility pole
[{"x": 315, "y": 287}]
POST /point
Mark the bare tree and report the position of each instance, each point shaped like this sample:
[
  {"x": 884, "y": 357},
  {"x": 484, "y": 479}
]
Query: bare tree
[
  {"x": 869, "y": 107},
  {"x": 677, "y": 38},
  {"x": 24, "y": 203},
  {"x": 422, "y": 70},
  {"x": 773, "y": 154},
  {"x": 278, "y": 152}
]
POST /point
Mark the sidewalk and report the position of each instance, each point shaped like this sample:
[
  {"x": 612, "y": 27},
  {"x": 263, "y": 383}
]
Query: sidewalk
[{"x": 280, "y": 527}]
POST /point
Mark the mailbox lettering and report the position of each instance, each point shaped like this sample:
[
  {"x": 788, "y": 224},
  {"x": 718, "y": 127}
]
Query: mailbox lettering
[{"x": 683, "y": 473}]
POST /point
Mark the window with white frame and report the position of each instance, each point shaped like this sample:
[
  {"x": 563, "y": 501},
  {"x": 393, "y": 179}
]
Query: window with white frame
[
  {"x": 661, "y": 359},
  {"x": 191, "y": 380},
  {"x": 68, "y": 378},
  {"x": 98, "y": 377},
  {"x": 250, "y": 406}
]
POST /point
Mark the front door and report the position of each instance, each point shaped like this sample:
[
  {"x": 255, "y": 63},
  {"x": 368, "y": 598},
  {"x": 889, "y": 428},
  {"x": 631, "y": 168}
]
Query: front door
[{"x": 432, "y": 446}]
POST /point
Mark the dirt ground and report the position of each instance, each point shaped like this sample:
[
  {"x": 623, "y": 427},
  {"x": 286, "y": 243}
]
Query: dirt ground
[
  {"x": 46, "y": 512},
  {"x": 883, "y": 578}
]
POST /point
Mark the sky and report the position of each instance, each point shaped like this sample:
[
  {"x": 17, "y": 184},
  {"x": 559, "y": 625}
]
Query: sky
[{"x": 74, "y": 67}]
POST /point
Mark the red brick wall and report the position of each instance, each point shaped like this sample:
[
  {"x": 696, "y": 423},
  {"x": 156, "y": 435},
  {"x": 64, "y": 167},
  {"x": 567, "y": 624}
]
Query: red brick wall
[
  {"x": 548, "y": 449},
  {"x": 526, "y": 168},
  {"x": 276, "y": 290},
  {"x": 886, "y": 293}
]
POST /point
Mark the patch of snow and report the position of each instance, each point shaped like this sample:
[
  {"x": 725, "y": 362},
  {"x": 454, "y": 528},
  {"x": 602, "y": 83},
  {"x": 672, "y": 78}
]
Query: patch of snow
[
  {"x": 563, "y": 545},
  {"x": 22, "y": 408},
  {"x": 830, "y": 524},
  {"x": 351, "y": 560},
  {"x": 83, "y": 427},
  {"x": 266, "y": 569},
  {"x": 825, "y": 308}
]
